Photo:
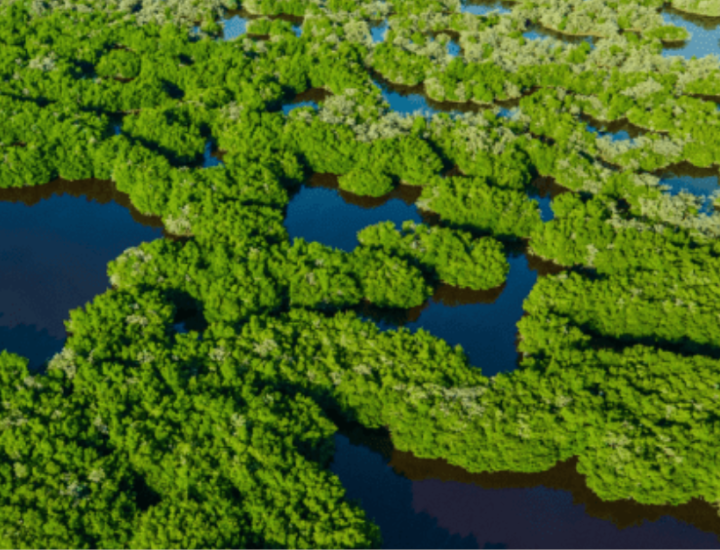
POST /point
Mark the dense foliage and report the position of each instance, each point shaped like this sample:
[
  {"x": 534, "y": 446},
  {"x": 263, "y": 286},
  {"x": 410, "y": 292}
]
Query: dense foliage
[{"x": 142, "y": 435}]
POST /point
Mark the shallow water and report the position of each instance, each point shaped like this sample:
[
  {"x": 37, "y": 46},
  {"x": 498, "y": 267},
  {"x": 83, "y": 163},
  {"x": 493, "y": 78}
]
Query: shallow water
[
  {"x": 54, "y": 250},
  {"x": 378, "y": 30},
  {"x": 453, "y": 48},
  {"x": 701, "y": 182},
  {"x": 292, "y": 106},
  {"x": 705, "y": 34},
  {"x": 233, "y": 27},
  {"x": 483, "y": 7},
  {"x": 405, "y": 103}
]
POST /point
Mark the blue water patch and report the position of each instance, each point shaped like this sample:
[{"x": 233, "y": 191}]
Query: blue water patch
[
  {"x": 546, "y": 211},
  {"x": 320, "y": 214},
  {"x": 534, "y": 35},
  {"x": 234, "y": 27},
  {"x": 378, "y": 31},
  {"x": 703, "y": 186},
  {"x": 405, "y": 104},
  {"x": 539, "y": 33},
  {"x": 614, "y": 136},
  {"x": 453, "y": 48},
  {"x": 297, "y": 30},
  {"x": 704, "y": 40},
  {"x": 292, "y": 106},
  {"x": 208, "y": 159},
  {"x": 483, "y": 8}
]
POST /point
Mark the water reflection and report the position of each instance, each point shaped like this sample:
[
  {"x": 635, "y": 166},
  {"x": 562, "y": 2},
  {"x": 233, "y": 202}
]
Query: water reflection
[
  {"x": 617, "y": 130},
  {"x": 421, "y": 503},
  {"x": 210, "y": 156},
  {"x": 483, "y": 323},
  {"x": 701, "y": 182},
  {"x": 705, "y": 34},
  {"x": 553, "y": 509},
  {"x": 408, "y": 100},
  {"x": 319, "y": 213},
  {"x": 486, "y": 330},
  {"x": 387, "y": 500},
  {"x": 54, "y": 250},
  {"x": 483, "y": 7},
  {"x": 311, "y": 97}
]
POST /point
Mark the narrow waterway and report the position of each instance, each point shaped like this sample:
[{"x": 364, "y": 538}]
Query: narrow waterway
[{"x": 423, "y": 504}]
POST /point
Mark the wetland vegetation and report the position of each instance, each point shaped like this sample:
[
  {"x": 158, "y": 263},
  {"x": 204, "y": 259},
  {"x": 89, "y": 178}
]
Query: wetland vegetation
[{"x": 194, "y": 401}]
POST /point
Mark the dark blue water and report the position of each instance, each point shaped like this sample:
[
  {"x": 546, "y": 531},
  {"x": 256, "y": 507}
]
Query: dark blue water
[
  {"x": 320, "y": 214},
  {"x": 53, "y": 258},
  {"x": 484, "y": 324},
  {"x": 430, "y": 513},
  {"x": 387, "y": 498},
  {"x": 486, "y": 331},
  {"x": 428, "y": 509}
]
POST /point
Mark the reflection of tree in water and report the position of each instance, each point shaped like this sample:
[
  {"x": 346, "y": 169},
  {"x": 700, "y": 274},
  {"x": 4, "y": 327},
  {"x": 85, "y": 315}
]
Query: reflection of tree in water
[
  {"x": 101, "y": 191},
  {"x": 614, "y": 127},
  {"x": 406, "y": 193},
  {"x": 564, "y": 477},
  {"x": 418, "y": 91},
  {"x": 318, "y": 95},
  {"x": 453, "y": 296}
]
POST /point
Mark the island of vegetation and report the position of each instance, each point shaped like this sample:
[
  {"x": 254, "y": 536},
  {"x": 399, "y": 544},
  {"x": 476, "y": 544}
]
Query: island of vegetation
[{"x": 141, "y": 434}]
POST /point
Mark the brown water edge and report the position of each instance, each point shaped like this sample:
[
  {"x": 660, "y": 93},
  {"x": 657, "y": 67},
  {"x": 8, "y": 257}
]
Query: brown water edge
[
  {"x": 562, "y": 477},
  {"x": 102, "y": 191}
]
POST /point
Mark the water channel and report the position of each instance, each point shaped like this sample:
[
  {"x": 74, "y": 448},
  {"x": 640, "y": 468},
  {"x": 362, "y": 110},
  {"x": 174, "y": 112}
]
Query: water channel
[{"x": 58, "y": 238}]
